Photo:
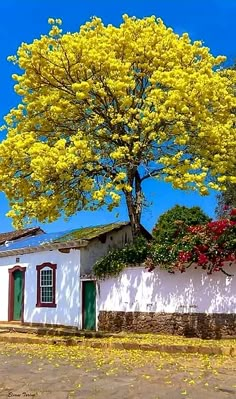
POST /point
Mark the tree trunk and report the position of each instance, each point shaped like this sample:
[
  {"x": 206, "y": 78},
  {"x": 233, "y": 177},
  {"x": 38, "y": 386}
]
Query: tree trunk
[{"x": 134, "y": 201}]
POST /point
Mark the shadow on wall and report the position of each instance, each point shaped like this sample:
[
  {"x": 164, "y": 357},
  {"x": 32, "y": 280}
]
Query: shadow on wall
[
  {"x": 121, "y": 293},
  {"x": 194, "y": 291},
  {"x": 178, "y": 304},
  {"x": 67, "y": 297}
]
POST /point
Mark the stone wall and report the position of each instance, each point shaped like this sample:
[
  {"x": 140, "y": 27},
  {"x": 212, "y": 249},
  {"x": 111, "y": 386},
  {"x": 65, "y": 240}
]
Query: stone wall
[{"x": 216, "y": 325}]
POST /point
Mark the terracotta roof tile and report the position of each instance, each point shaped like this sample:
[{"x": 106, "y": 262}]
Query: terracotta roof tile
[{"x": 15, "y": 235}]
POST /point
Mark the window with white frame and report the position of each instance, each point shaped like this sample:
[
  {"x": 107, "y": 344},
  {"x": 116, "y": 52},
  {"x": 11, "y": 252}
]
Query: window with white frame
[{"x": 46, "y": 285}]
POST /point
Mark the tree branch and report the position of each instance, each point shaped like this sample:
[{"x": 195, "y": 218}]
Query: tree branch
[
  {"x": 227, "y": 274},
  {"x": 151, "y": 174}
]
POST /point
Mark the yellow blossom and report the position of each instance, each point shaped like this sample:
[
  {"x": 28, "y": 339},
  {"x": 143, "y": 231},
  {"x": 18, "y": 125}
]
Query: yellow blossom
[{"x": 102, "y": 108}]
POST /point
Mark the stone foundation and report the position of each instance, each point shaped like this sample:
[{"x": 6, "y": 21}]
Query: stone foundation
[{"x": 200, "y": 325}]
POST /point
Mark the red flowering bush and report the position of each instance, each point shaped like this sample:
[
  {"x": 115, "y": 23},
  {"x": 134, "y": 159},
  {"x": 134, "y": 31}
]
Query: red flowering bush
[
  {"x": 233, "y": 212},
  {"x": 209, "y": 246}
]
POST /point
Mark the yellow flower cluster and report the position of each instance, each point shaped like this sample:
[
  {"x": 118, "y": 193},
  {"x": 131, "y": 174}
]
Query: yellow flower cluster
[{"x": 98, "y": 104}]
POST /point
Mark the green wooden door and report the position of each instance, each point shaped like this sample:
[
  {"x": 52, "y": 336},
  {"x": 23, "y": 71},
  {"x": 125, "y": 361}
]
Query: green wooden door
[
  {"x": 18, "y": 294},
  {"x": 89, "y": 305}
]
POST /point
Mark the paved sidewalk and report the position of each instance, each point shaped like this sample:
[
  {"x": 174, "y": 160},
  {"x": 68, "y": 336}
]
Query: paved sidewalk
[{"x": 144, "y": 342}]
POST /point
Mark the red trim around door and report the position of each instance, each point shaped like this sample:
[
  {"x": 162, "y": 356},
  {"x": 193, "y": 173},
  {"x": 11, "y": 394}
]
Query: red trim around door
[
  {"x": 11, "y": 292},
  {"x": 83, "y": 304}
]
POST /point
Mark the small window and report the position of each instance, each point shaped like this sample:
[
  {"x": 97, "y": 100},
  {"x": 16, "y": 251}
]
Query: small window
[{"x": 46, "y": 285}]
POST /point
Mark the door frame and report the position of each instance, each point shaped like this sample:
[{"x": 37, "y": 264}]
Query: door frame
[
  {"x": 11, "y": 292},
  {"x": 82, "y": 281}
]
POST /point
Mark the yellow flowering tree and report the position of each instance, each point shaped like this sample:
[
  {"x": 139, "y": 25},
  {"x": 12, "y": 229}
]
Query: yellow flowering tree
[{"x": 103, "y": 109}]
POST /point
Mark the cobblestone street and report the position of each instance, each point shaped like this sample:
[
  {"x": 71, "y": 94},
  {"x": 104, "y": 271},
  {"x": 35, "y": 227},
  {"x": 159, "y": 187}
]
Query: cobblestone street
[{"x": 59, "y": 372}]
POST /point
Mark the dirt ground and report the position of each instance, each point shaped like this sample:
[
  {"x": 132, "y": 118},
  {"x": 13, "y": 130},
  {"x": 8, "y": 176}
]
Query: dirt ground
[{"x": 59, "y": 372}]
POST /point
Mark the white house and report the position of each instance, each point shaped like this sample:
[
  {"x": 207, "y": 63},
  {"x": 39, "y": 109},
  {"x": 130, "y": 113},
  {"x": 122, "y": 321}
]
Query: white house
[
  {"x": 191, "y": 303},
  {"x": 47, "y": 279},
  {"x": 41, "y": 274}
]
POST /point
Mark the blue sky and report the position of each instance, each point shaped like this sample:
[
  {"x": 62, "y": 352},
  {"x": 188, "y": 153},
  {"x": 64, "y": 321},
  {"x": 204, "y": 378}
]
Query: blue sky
[{"x": 212, "y": 21}]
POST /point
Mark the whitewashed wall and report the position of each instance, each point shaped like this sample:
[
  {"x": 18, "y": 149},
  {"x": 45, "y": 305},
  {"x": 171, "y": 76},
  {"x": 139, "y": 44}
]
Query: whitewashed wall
[
  {"x": 136, "y": 289},
  {"x": 68, "y": 297},
  {"x": 68, "y": 293},
  {"x": 96, "y": 249},
  {"x": 4, "y": 290}
]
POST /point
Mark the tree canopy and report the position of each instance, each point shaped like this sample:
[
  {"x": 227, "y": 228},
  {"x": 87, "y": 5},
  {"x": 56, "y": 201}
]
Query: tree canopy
[
  {"x": 175, "y": 221},
  {"x": 210, "y": 246},
  {"x": 105, "y": 108}
]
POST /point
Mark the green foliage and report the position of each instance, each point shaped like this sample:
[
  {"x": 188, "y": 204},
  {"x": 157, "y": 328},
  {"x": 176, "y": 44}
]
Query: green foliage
[
  {"x": 162, "y": 255},
  {"x": 228, "y": 239},
  {"x": 210, "y": 246},
  {"x": 116, "y": 260},
  {"x": 173, "y": 223},
  {"x": 182, "y": 237}
]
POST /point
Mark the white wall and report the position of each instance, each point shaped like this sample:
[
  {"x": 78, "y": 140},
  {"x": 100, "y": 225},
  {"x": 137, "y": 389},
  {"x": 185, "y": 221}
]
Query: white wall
[
  {"x": 97, "y": 249},
  {"x": 4, "y": 290},
  {"x": 68, "y": 295},
  {"x": 136, "y": 289},
  {"x": 68, "y": 309}
]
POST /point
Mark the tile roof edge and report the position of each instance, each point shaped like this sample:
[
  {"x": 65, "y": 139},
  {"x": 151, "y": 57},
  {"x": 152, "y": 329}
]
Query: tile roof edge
[
  {"x": 14, "y": 236},
  {"x": 44, "y": 247}
]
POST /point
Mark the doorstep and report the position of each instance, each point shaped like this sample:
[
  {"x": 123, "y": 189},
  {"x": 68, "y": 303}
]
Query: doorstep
[{"x": 53, "y": 330}]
